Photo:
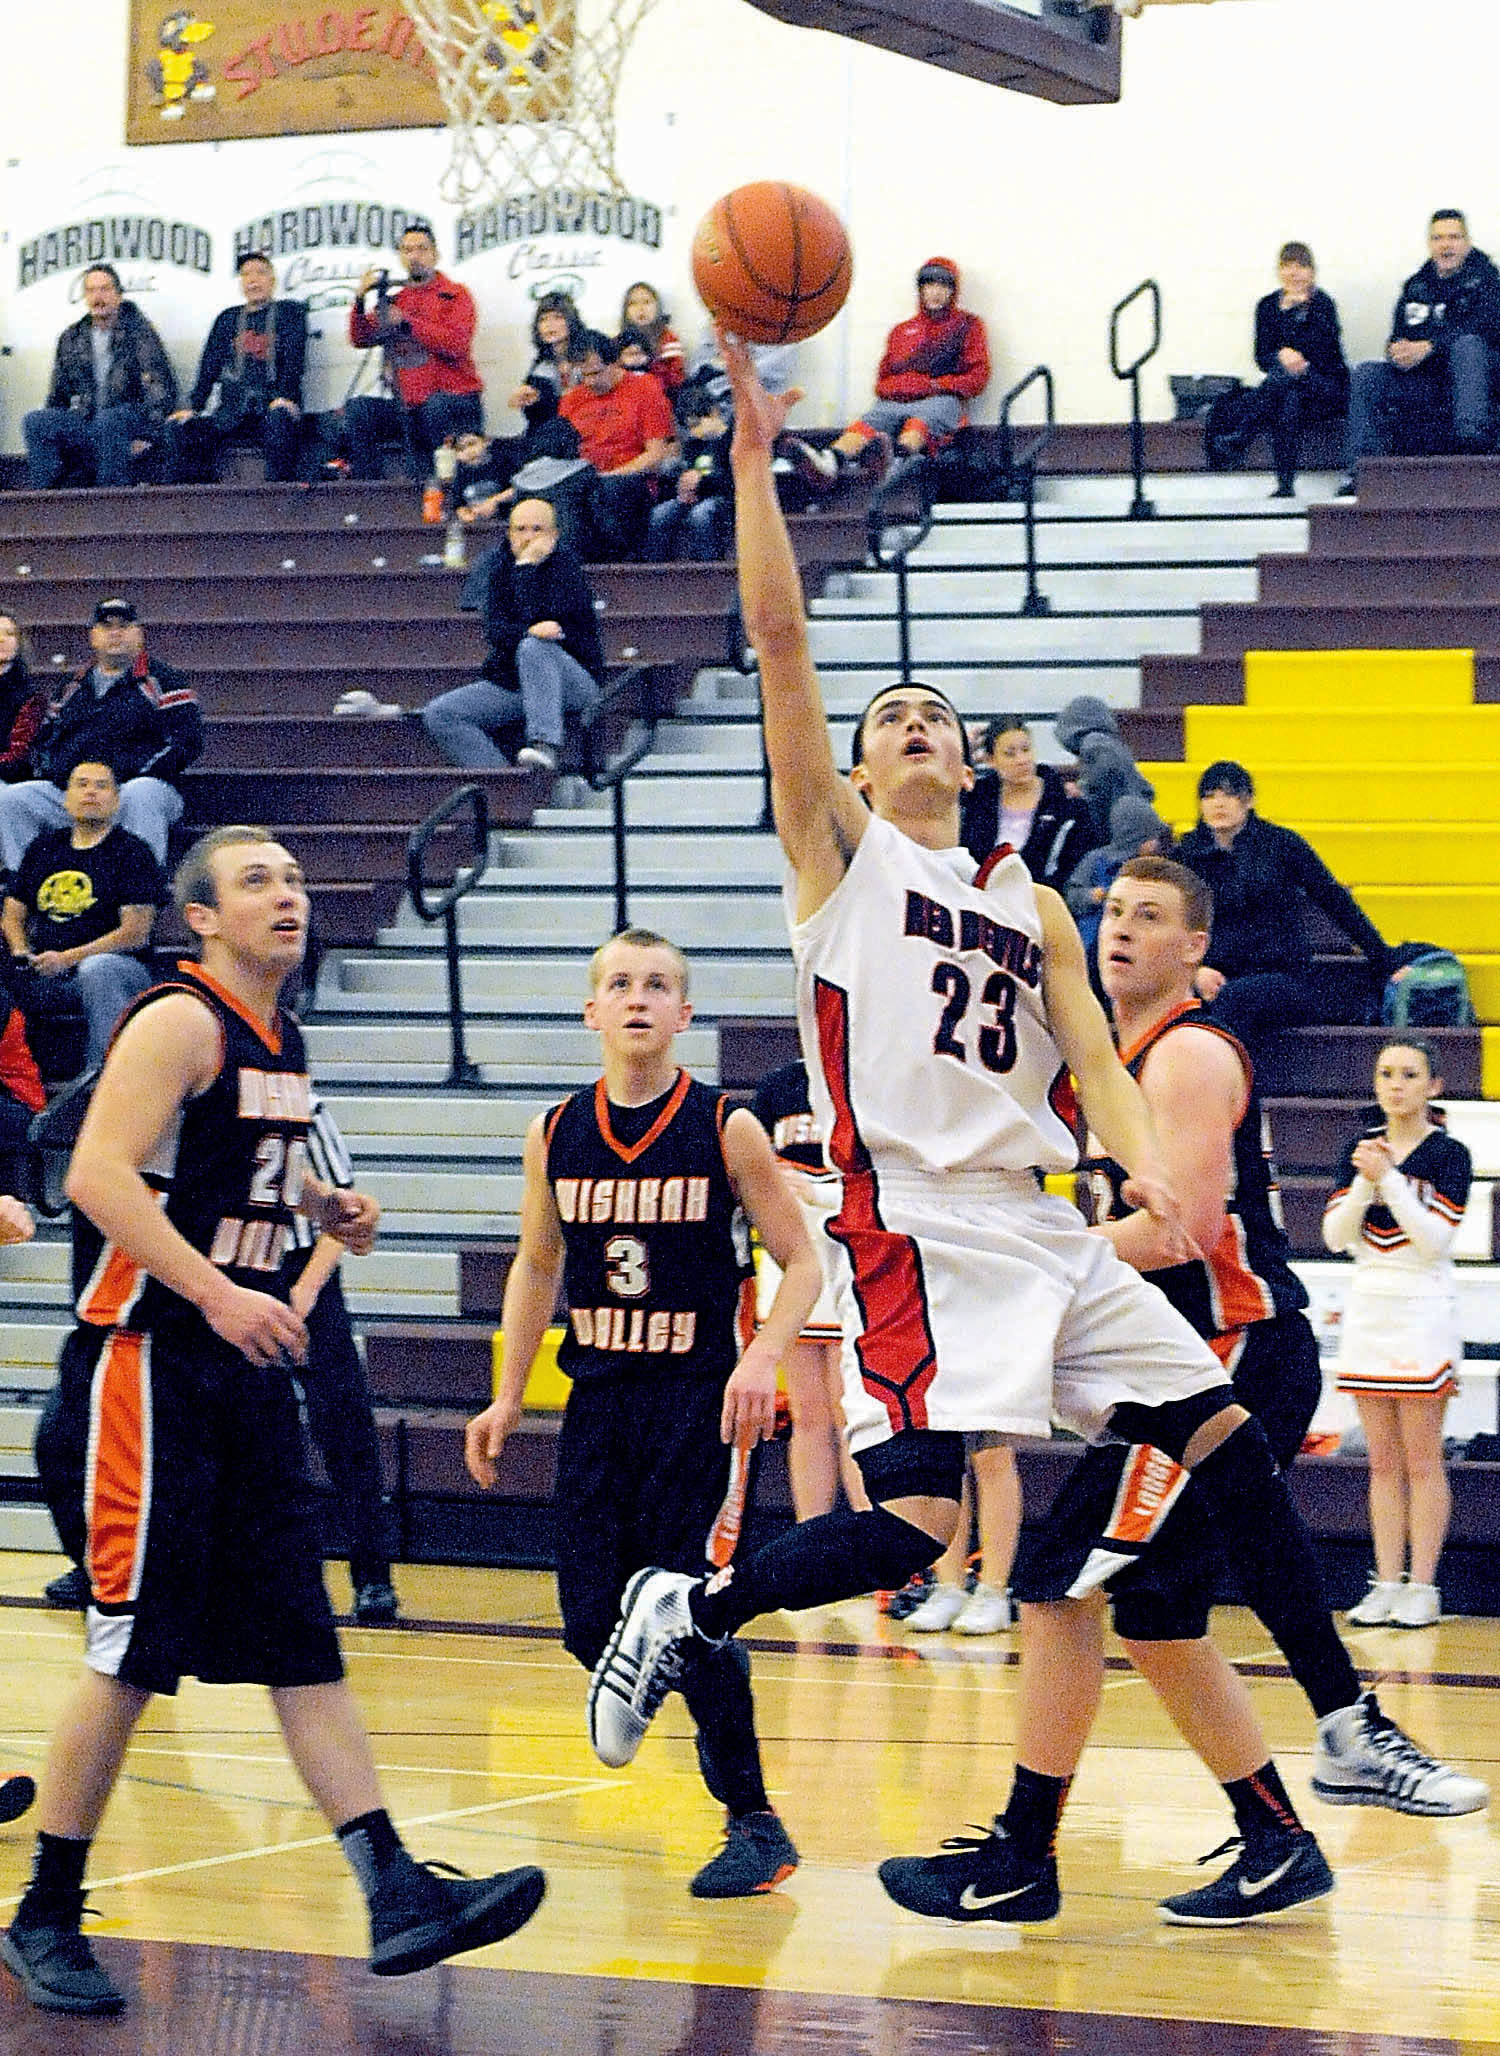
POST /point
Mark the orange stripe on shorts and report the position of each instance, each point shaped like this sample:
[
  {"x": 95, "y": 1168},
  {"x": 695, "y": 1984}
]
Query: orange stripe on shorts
[{"x": 120, "y": 1480}]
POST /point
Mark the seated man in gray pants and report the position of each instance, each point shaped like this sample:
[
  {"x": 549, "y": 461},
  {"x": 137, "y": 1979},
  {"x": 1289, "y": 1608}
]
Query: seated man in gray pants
[
  {"x": 79, "y": 909},
  {"x": 545, "y": 657},
  {"x": 1431, "y": 392}
]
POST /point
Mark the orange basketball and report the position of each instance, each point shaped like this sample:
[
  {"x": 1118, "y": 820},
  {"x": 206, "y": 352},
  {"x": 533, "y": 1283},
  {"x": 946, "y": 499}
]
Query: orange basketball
[{"x": 772, "y": 262}]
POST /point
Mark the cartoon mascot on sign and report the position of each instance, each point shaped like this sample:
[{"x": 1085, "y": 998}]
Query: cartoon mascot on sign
[
  {"x": 176, "y": 75},
  {"x": 519, "y": 41}
]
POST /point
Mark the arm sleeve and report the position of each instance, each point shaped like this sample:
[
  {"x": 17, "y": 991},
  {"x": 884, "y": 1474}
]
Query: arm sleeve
[
  {"x": 973, "y": 373},
  {"x": 1344, "y": 1214},
  {"x": 18, "y": 1071},
  {"x": 15, "y": 760},
  {"x": 444, "y": 323},
  {"x": 141, "y": 882},
  {"x": 1335, "y": 900},
  {"x": 1265, "y": 332},
  {"x": 363, "y": 333},
  {"x": 578, "y": 617},
  {"x": 1431, "y": 1234},
  {"x": 210, "y": 365},
  {"x": 181, "y": 729},
  {"x": 503, "y": 626},
  {"x": 158, "y": 379},
  {"x": 291, "y": 350}
]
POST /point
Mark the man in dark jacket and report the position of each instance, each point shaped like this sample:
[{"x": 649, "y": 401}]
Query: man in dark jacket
[
  {"x": 933, "y": 365},
  {"x": 112, "y": 387},
  {"x": 545, "y": 657},
  {"x": 1431, "y": 392},
  {"x": 125, "y": 709},
  {"x": 1258, "y": 974},
  {"x": 254, "y": 355}
]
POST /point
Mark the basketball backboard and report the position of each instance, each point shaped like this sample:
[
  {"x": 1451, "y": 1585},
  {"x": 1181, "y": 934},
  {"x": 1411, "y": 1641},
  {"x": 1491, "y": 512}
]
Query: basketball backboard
[{"x": 1063, "y": 50}]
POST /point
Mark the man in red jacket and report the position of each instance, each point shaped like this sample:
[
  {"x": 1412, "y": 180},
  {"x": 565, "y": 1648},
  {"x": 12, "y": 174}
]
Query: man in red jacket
[
  {"x": 933, "y": 365},
  {"x": 426, "y": 329}
]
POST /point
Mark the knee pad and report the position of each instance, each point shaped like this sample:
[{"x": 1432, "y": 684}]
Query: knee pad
[
  {"x": 919, "y": 1463},
  {"x": 1172, "y": 1426}
]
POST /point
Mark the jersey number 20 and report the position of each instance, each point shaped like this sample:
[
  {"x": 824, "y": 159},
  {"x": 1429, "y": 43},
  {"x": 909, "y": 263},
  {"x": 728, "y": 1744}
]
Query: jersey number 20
[{"x": 995, "y": 1043}]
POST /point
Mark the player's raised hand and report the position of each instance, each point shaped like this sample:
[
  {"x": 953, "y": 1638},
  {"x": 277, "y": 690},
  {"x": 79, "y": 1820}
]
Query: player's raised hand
[
  {"x": 749, "y": 1414},
  {"x": 759, "y": 416},
  {"x": 484, "y": 1439},
  {"x": 1155, "y": 1196},
  {"x": 259, "y": 1327}
]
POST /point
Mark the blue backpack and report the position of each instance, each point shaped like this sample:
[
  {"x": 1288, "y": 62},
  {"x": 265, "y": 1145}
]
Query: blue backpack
[{"x": 1431, "y": 990}]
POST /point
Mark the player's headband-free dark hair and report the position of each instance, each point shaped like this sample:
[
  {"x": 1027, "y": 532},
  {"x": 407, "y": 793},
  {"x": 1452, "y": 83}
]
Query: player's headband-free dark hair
[
  {"x": 1227, "y": 776},
  {"x": 915, "y": 685}
]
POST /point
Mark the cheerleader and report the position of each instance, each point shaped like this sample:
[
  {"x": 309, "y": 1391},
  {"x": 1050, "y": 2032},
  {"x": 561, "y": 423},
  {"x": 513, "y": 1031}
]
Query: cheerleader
[{"x": 1401, "y": 1194}]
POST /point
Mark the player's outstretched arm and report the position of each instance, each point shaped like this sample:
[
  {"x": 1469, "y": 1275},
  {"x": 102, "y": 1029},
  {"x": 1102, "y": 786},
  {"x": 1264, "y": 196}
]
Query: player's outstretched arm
[
  {"x": 526, "y": 1311},
  {"x": 154, "y": 1068},
  {"x": 1194, "y": 1085},
  {"x": 819, "y": 816},
  {"x": 1112, "y": 1101},
  {"x": 767, "y": 1197}
]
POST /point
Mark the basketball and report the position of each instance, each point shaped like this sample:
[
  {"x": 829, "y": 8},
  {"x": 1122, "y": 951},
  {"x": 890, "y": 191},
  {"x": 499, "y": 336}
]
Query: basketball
[{"x": 772, "y": 262}]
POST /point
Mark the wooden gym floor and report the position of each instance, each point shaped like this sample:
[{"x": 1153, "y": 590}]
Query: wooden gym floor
[{"x": 232, "y": 1916}]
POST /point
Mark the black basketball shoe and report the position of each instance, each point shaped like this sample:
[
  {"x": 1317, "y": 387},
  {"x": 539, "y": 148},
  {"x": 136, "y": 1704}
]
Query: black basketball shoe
[{"x": 981, "y": 1876}]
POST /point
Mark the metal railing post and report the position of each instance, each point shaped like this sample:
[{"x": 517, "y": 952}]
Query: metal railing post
[
  {"x": 632, "y": 696},
  {"x": 1035, "y": 602},
  {"x": 922, "y": 481},
  {"x": 1141, "y": 509},
  {"x": 444, "y": 907}
]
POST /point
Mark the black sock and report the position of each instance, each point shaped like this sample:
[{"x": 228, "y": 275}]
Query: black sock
[
  {"x": 1262, "y": 1811},
  {"x": 1275, "y": 1565},
  {"x": 56, "y": 1878},
  {"x": 1034, "y": 1811},
  {"x": 715, "y": 1683},
  {"x": 372, "y": 1845},
  {"x": 837, "y": 1556}
]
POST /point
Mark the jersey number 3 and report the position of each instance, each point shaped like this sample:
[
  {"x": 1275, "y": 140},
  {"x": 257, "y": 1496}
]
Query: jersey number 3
[{"x": 995, "y": 1043}]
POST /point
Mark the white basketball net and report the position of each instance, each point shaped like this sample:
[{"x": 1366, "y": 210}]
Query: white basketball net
[{"x": 529, "y": 86}]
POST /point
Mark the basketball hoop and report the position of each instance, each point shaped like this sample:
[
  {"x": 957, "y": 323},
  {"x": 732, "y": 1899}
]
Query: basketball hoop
[{"x": 529, "y": 86}]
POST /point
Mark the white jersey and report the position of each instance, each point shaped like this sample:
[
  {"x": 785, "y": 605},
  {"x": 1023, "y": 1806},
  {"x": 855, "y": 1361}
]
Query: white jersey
[{"x": 919, "y": 1002}]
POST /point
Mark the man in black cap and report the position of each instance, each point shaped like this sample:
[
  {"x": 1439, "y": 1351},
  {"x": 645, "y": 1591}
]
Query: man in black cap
[
  {"x": 254, "y": 357},
  {"x": 933, "y": 365},
  {"x": 125, "y": 709}
]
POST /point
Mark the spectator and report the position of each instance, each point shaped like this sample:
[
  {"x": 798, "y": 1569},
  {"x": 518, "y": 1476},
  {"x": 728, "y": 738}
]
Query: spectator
[
  {"x": 646, "y": 342},
  {"x": 1088, "y": 730},
  {"x": 125, "y": 709},
  {"x": 112, "y": 387},
  {"x": 1258, "y": 972},
  {"x": 22, "y": 1097},
  {"x": 555, "y": 329},
  {"x": 23, "y": 704},
  {"x": 1135, "y": 830},
  {"x": 426, "y": 330},
  {"x": 1432, "y": 390},
  {"x": 625, "y": 430},
  {"x": 775, "y": 366},
  {"x": 254, "y": 357},
  {"x": 546, "y": 467},
  {"x": 696, "y": 519},
  {"x": 1025, "y": 804},
  {"x": 1301, "y": 351},
  {"x": 933, "y": 364},
  {"x": 545, "y": 657},
  {"x": 79, "y": 911},
  {"x": 1401, "y": 1193},
  {"x": 992, "y": 1497}
]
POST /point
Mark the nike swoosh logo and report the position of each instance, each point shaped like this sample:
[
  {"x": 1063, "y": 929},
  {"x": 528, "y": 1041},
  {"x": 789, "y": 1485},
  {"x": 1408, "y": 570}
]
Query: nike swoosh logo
[
  {"x": 975, "y": 1902},
  {"x": 1251, "y": 1888}
]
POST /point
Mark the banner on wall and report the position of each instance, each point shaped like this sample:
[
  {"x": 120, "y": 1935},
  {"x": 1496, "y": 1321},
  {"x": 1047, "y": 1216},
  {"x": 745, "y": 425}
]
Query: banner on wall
[
  {"x": 239, "y": 68},
  {"x": 175, "y": 226}
]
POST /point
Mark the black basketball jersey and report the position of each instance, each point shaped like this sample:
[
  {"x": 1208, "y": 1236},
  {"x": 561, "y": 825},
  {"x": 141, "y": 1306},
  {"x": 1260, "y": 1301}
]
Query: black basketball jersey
[
  {"x": 783, "y": 1108},
  {"x": 657, "y": 1270},
  {"x": 230, "y": 1169},
  {"x": 1247, "y": 1277}
]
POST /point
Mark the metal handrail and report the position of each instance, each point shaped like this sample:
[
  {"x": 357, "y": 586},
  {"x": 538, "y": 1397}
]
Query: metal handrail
[
  {"x": 609, "y": 773},
  {"x": 1141, "y": 509},
  {"x": 444, "y": 905},
  {"x": 919, "y": 477},
  {"x": 1034, "y": 602}
]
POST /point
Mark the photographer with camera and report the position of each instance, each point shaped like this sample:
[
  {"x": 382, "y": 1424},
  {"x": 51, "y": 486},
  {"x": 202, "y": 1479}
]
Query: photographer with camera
[{"x": 426, "y": 329}]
